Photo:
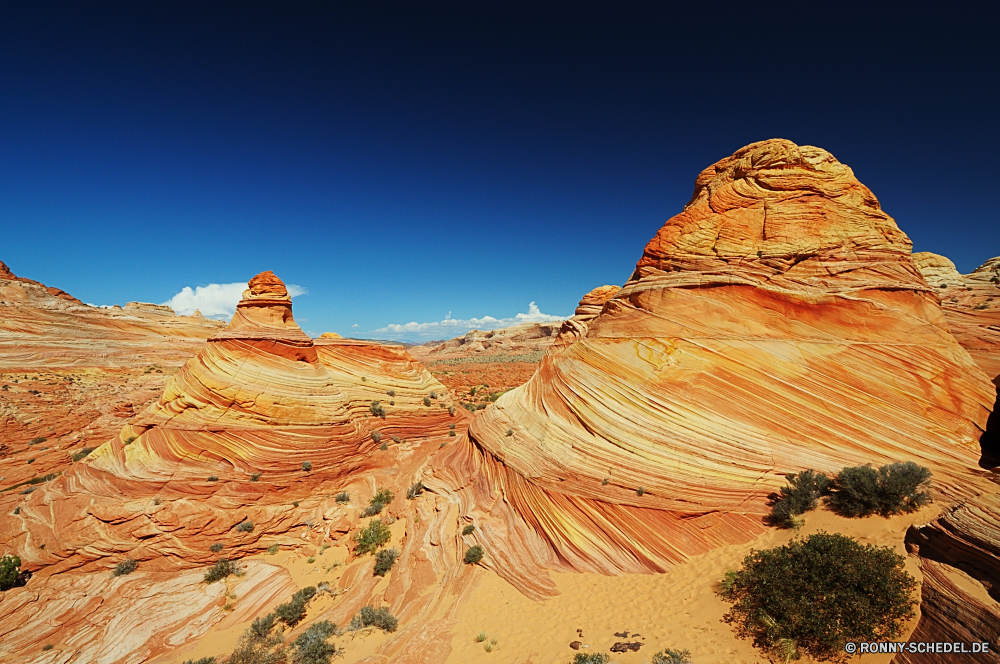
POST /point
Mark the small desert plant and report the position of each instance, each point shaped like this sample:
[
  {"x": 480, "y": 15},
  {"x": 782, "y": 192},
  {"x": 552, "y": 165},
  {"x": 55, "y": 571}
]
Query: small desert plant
[
  {"x": 291, "y": 613},
  {"x": 451, "y": 434},
  {"x": 202, "y": 660},
  {"x": 427, "y": 401},
  {"x": 891, "y": 489},
  {"x": 371, "y": 617},
  {"x": 343, "y": 497},
  {"x": 469, "y": 529},
  {"x": 480, "y": 637},
  {"x": 245, "y": 526},
  {"x": 378, "y": 502},
  {"x": 295, "y": 503},
  {"x": 48, "y": 646},
  {"x": 372, "y": 537},
  {"x": 414, "y": 490},
  {"x": 391, "y": 393},
  {"x": 591, "y": 658},
  {"x": 10, "y": 572},
  {"x": 473, "y": 555},
  {"x": 376, "y": 436},
  {"x": 604, "y": 482},
  {"x": 815, "y": 595},
  {"x": 36, "y": 441},
  {"x": 451, "y": 425},
  {"x": 377, "y": 409},
  {"x": 273, "y": 549},
  {"x": 451, "y": 410},
  {"x": 213, "y": 478},
  {"x": 510, "y": 432},
  {"x": 311, "y": 559},
  {"x": 800, "y": 495},
  {"x": 384, "y": 560},
  {"x": 669, "y": 656},
  {"x": 639, "y": 491},
  {"x": 221, "y": 569},
  {"x": 125, "y": 567},
  {"x": 17, "y": 510},
  {"x": 307, "y": 466},
  {"x": 76, "y": 456},
  {"x": 384, "y": 446},
  {"x": 262, "y": 643},
  {"x": 434, "y": 395},
  {"x": 312, "y": 648},
  {"x": 215, "y": 548},
  {"x": 254, "y": 477},
  {"x": 130, "y": 440}
]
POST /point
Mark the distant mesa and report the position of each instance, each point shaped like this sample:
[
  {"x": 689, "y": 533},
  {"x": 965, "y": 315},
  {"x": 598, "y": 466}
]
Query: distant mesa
[
  {"x": 777, "y": 323},
  {"x": 5, "y": 273},
  {"x": 330, "y": 335}
]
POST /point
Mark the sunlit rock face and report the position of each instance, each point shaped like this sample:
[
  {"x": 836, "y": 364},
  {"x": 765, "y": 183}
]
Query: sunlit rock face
[
  {"x": 777, "y": 323},
  {"x": 971, "y": 305}
]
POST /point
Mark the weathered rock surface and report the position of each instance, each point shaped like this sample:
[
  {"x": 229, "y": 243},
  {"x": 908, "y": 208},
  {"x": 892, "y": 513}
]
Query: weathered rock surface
[
  {"x": 971, "y": 305},
  {"x": 515, "y": 339},
  {"x": 589, "y": 308},
  {"x": 777, "y": 323},
  {"x": 960, "y": 560}
]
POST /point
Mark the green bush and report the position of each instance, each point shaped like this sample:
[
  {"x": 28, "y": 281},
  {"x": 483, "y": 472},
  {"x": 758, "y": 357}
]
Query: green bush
[
  {"x": 213, "y": 478},
  {"x": 376, "y": 436},
  {"x": 372, "y": 617},
  {"x": 343, "y": 497},
  {"x": 384, "y": 560},
  {"x": 474, "y": 555},
  {"x": 814, "y": 595},
  {"x": 892, "y": 489},
  {"x": 312, "y": 648},
  {"x": 221, "y": 569},
  {"x": 203, "y": 660},
  {"x": 427, "y": 401},
  {"x": 434, "y": 395},
  {"x": 215, "y": 548},
  {"x": 76, "y": 456},
  {"x": 800, "y": 495},
  {"x": 377, "y": 410},
  {"x": 469, "y": 529},
  {"x": 591, "y": 658},
  {"x": 668, "y": 656},
  {"x": 414, "y": 490},
  {"x": 307, "y": 466},
  {"x": 291, "y": 613},
  {"x": 273, "y": 549},
  {"x": 125, "y": 567},
  {"x": 261, "y": 643},
  {"x": 37, "y": 441},
  {"x": 372, "y": 537},
  {"x": 254, "y": 477},
  {"x": 391, "y": 393},
  {"x": 384, "y": 446},
  {"x": 378, "y": 502},
  {"x": 10, "y": 572},
  {"x": 245, "y": 526}
]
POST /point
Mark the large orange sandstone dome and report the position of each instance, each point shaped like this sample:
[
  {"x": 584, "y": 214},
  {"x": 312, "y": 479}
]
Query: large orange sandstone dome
[{"x": 777, "y": 323}]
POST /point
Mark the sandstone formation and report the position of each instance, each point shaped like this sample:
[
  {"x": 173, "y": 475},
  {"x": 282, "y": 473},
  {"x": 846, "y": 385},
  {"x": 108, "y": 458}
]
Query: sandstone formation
[
  {"x": 262, "y": 427},
  {"x": 589, "y": 308},
  {"x": 971, "y": 305},
  {"x": 777, "y": 323},
  {"x": 516, "y": 339},
  {"x": 960, "y": 559}
]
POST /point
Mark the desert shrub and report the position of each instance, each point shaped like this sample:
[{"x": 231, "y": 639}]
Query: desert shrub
[
  {"x": 295, "y": 503},
  {"x": 427, "y": 401},
  {"x": 17, "y": 510},
  {"x": 451, "y": 410},
  {"x": 273, "y": 549},
  {"x": 312, "y": 648},
  {"x": 10, "y": 572},
  {"x": 375, "y": 506},
  {"x": 384, "y": 560},
  {"x": 292, "y": 612},
  {"x": 30, "y": 489},
  {"x": 591, "y": 658},
  {"x": 474, "y": 555},
  {"x": 376, "y": 436},
  {"x": 434, "y": 395},
  {"x": 891, "y": 489},
  {"x": 414, "y": 490},
  {"x": 668, "y": 656},
  {"x": 371, "y": 617},
  {"x": 215, "y": 548},
  {"x": 377, "y": 409},
  {"x": 372, "y": 537},
  {"x": 307, "y": 466},
  {"x": 814, "y": 595},
  {"x": 130, "y": 440},
  {"x": 30, "y": 461},
  {"x": 202, "y": 660},
  {"x": 469, "y": 529},
  {"x": 254, "y": 477},
  {"x": 311, "y": 559},
  {"x": 451, "y": 425},
  {"x": 640, "y": 491},
  {"x": 384, "y": 446},
  {"x": 451, "y": 434},
  {"x": 213, "y": 478},
  {"x": 510, "y": 432},
  {"x": 36, "y": 441},
  {"x": 42, "y": 478},
  {"x": 221, "y": 569},
  {"x": 125, "y": 567},
  {"x": 391, "y": 393},
  {"x": 800, "y": 495},
  {"x": 76, "y": 456},
  {"x": 261, "y": 643},
  {"x": 244, "y": 526},
  {"x": 343, "y": 497}
]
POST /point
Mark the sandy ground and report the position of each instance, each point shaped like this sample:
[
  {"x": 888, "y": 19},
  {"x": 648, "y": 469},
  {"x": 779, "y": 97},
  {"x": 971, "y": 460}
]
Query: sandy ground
[{"x": 678, "y": 610}]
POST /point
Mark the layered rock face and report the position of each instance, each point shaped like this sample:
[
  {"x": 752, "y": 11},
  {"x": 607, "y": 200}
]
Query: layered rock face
[
  {"x": 971, "y": 305},
  {"x": 777, "y": 323},
  {"x": 589, "y": 308},
  {"x": 522, "y": 338}
]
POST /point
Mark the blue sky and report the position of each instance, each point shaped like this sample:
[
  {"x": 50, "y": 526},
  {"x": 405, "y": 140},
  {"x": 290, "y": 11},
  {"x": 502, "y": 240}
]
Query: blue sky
[{"x": 409, "y": 162}]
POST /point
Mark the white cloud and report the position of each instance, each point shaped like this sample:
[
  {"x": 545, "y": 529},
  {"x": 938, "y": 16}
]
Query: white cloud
[
  {"x": 216, "y": 300},
  {"x": 454, "y": 327},
  {"x": 355, "y": 325}
]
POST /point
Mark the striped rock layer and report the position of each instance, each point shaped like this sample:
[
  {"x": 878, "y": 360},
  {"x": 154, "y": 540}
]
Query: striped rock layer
[{"x": 777, "y": 323}]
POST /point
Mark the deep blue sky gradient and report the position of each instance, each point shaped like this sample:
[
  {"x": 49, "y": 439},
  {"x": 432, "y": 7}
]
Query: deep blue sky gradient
[{"x": 403, "y": 160}]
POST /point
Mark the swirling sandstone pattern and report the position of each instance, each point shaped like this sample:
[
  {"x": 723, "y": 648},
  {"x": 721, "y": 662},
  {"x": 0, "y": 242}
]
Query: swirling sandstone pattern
[{"x": 777, "y": 323}]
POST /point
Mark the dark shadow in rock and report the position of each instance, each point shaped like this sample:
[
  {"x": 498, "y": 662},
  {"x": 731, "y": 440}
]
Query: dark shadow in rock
[{"x": 989, "y": 442}]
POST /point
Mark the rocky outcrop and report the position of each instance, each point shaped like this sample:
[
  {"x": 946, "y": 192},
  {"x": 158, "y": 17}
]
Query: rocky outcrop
[
  {"x": 7, "y": 275},
  {"x": 959, "y": 557},
  {"x": 523, "y": 338},
  {"x": 971, "y": 305},
  {"x": 777, "y": 323},
  {"x": 589, "y": 308}
]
